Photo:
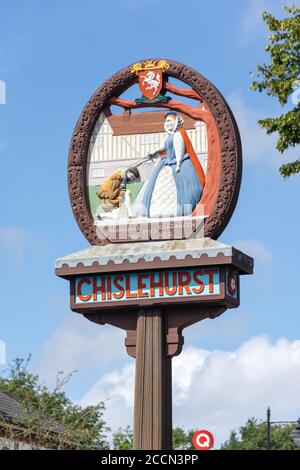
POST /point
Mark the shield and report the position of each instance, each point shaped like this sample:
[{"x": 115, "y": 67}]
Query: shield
[{"x": 150, "y": 82}]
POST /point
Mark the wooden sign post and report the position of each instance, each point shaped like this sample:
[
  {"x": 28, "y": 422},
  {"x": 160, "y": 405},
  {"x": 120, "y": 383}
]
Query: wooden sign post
[
  {"x": 151, "y": 191},
  {"x": 153, "y": 299}
]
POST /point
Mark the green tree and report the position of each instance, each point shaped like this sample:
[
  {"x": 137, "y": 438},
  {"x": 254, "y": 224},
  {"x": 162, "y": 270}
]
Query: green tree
[
  {"x": 279, "y": 78},
  {"x": 123, "y": 439},
  {"x": 49, "y": 418},
  {"x": 183, "y": 439},
  {"x": 252, "y": 436}
]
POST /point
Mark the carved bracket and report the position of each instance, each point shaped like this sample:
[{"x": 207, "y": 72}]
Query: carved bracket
[{"x": 176, "y": 320}]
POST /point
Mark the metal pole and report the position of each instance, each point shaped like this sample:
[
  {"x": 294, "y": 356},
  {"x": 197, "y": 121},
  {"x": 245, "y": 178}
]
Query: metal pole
[
  {"x": 268, "y": 428},
  {"x": 153, "y": 384}
]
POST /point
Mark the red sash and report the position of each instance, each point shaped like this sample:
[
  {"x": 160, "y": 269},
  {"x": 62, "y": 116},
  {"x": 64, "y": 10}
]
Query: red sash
[{"x": 193, "y": 156}]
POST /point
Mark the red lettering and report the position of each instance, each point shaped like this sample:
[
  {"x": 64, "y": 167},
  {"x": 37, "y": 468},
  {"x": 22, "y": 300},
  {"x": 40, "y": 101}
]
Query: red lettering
[
  {"x": 108, "y": 288},
  {"x": 142, "y": 285},
  {"x": 173, "y": 289},
  {"x": 154, "y": 284},
  {"x": 82, "y": 297},
  {"x": 184, "y": 278},
  {"x": 198, "y": 290},
  {"x": 100, "y": 288},
  {"x": 211, "y": 273},
  {"x": 117, "y": 285},
  {"x": 129, "y": 295}
]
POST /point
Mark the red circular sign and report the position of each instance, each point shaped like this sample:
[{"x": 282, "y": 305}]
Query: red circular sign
[
  {"x": 232, "y": 283},
  {"x": 203, "y": 440}
]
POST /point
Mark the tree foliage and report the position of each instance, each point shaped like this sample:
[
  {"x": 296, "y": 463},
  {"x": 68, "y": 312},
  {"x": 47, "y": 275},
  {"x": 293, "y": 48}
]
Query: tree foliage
[
  {"x": 47, "y": 418},
  {"x": 123, "y": 439},
  {"x": 281, "y": 78},
  {"x": 253, "y": 435},
  {"x": 182, "y": 440}
]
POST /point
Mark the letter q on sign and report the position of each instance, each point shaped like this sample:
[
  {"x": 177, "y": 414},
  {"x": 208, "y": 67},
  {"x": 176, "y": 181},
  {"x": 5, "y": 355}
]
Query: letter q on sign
[{"x": 203, "y": 440}]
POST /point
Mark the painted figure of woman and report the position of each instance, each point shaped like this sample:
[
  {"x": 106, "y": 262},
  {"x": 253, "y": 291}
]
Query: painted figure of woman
[{"x": 176, "y": 184}]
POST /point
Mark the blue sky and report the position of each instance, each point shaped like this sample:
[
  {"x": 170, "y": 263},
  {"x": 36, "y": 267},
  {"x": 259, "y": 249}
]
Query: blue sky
[{"x": 53, "y": 55}]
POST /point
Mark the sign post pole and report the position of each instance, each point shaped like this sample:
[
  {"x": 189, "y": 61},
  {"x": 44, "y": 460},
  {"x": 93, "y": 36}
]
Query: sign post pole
[{"x": 153, "y": 383}]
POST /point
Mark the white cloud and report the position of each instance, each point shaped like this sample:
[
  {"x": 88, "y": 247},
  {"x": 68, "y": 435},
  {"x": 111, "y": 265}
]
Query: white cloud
[
  {"x": 79, "y": 345},
  {"x": 230, "y": 387},
  {"x": 2, "y": 352},
  {"x": 255, "y": 249},
  {"x": 219, "y": 390},
  {"x": 116, "y": 390}
]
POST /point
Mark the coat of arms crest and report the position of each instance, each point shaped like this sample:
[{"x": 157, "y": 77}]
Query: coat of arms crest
[{"x": 150, "y": 80}]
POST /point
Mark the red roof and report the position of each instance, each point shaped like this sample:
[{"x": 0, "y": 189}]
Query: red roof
[{"x": 146, "y": 122}]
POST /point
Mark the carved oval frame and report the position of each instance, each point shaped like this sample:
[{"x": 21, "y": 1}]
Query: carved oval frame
[{"x": 229, "y": 140}]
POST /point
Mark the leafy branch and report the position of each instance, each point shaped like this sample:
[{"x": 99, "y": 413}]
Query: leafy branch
[
  {"x": 48, "y": 419},
  {"x": 279, "y": 79}
]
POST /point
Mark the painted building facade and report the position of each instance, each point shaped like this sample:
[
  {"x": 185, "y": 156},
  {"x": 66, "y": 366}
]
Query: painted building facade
[{"x": 119, "y": 141}]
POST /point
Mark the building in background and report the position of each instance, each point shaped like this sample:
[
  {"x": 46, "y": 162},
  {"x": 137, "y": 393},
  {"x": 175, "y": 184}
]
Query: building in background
[
  {"x": 122, "y": 140},
  {"x": 17, "y": 431}
]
